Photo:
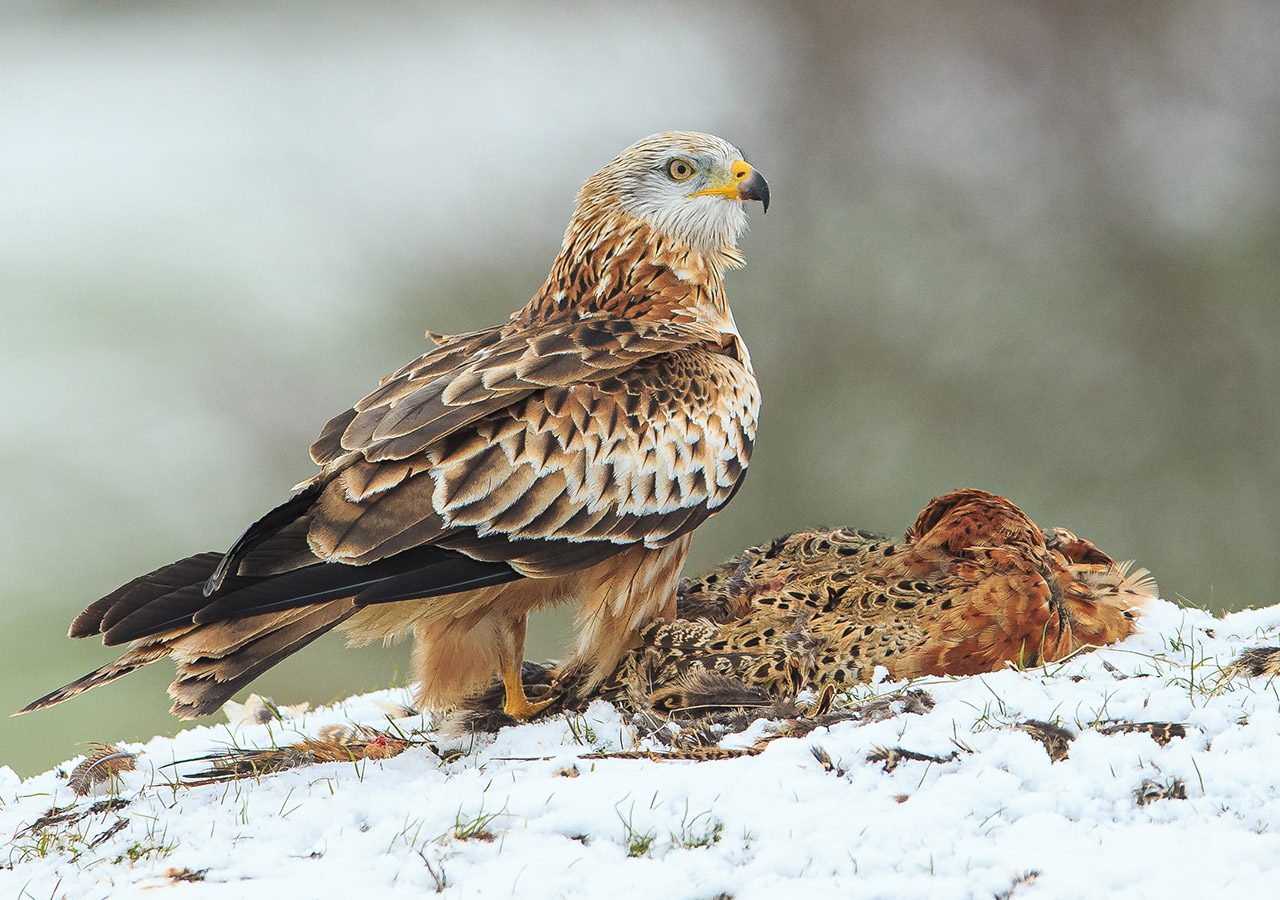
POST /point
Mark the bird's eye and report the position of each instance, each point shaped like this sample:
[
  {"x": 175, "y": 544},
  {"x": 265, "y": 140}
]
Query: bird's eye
[{"x": 680, "y": 169}]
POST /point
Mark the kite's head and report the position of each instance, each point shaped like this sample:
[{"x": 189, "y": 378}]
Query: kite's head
[{"x": 685, "y": 184}]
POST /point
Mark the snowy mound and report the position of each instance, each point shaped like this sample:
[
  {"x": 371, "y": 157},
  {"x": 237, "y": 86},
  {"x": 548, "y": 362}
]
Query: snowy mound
[{"x": 954, "y": 800}]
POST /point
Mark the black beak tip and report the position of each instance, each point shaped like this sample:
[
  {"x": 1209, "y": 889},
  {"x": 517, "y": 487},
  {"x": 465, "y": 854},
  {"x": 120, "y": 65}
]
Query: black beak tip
[{"x": 755, "y": 188}]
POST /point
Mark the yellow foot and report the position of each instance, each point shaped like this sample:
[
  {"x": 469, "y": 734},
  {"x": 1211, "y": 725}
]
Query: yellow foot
[
  {"x": 517, "y": 704},
  {"x": 520, "y": 707}
]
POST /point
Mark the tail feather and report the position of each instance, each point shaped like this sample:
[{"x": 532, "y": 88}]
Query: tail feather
[
  {"x": 205, "y": 683},
  {"x": 214, "y": 661},
  {"x": 103, "y": 614},
  {"x": 223, "y": 642},
  {"x": 135, "y": 658}
]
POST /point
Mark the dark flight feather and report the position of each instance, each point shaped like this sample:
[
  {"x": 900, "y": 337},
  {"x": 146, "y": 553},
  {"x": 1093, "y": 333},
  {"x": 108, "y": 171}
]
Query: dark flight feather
[
  {"x": 268, "y": 525},
  {"x": 423, "y": 572},
  {"x": 134, "y": 595},
  {"x": 417, "y": 574}
]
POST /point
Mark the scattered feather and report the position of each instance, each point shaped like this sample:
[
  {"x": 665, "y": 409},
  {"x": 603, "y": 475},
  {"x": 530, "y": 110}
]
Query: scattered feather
[
  {"x": 1161, "y": 732},
  {"x": 1152, "y": 790},
  {"x": 258, "y": 710},
  {"x": 102, "y": 766},
  {"x": 1055, "y": 739}
]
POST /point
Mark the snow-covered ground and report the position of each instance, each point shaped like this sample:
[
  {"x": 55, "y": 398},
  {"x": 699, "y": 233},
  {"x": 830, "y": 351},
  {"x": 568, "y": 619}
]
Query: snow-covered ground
[{"x": 523, "y": 814}]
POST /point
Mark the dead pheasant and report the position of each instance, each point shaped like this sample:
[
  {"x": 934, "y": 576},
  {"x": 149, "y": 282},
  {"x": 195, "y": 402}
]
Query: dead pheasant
[{"x": 972, "y": 586}]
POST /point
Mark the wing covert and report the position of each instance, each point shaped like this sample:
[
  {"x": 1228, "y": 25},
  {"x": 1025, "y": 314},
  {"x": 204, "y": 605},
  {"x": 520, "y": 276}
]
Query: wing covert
[
  {"x": 476, "y": 374},
  {"x": 565, "y": 475}
]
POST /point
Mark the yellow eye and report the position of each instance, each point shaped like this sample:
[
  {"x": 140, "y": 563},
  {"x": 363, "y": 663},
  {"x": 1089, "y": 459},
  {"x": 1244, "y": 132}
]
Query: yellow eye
[{"x": 680, "y": 169}]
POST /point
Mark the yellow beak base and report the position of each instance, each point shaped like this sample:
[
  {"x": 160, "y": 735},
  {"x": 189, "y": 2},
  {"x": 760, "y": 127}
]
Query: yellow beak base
[{"x": 744, "y": 183}]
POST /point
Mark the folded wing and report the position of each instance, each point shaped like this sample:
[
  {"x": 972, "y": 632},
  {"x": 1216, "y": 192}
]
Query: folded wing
[{"x": 501, "y": 454}]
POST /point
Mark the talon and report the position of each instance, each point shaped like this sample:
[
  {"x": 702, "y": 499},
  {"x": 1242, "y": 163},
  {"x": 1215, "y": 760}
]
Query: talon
[
  {"x": 517, "y": 704},
  {"x": 522, "y": 708}
]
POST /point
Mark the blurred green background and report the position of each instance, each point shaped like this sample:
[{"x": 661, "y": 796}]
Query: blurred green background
[{"x": 1031, "y": 247}]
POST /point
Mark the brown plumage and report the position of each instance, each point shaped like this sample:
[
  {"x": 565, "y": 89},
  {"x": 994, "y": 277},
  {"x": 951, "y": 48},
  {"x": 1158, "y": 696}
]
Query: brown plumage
[
  {"x": 974, "y": 585},
  {"x": 565, "y": 455}
]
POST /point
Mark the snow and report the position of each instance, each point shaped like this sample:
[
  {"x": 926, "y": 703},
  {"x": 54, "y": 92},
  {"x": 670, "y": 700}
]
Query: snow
[{"x": 498, "y": 815}]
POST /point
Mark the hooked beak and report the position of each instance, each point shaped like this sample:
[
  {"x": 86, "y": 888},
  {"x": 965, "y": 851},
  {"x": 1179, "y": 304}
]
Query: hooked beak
[
  {"x": 744, "y": 183},
  {"x": 753, "y": 187}
]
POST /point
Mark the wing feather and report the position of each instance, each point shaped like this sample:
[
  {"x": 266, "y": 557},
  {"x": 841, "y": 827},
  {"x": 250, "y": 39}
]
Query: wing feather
[
  {"x": 451, "y": 387},
  {"x": 641, "y": 456}
]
